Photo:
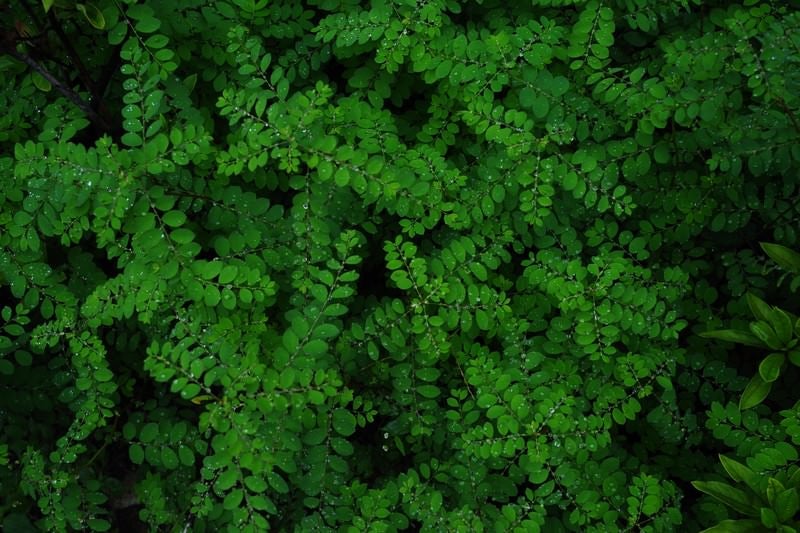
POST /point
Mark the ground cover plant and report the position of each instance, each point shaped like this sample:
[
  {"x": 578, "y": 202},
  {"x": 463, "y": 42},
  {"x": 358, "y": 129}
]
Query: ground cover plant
[{"x": 399, "y": 265}]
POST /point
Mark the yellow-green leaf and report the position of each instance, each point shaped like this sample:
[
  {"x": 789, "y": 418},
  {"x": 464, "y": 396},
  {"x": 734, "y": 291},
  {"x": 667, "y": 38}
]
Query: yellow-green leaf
[{"x": 92, "y": 14}]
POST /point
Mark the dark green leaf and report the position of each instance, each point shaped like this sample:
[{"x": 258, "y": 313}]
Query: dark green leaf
[
  {"x": 730, "y": 496},
  {"x": 760, "y": 309},
  {"x": 786, "y": 258},
  {"x": 766, "y": 334},
  {"x": 136, "y": 453},
  {"x": 786, "y": 505},
  {"x": 233, "y": 499},
  {"x": 92, "y": 14},
  {"x": 734, "y": 335},
  {"x": 770, "y": 367},
  {"x": 428, "y": 391},
  {"x": 755, "y": 392},
  {"x": 344, "y": 422},
  {"x": 740, "y": 473}
]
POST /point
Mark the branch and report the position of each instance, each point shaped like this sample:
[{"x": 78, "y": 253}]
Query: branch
[
  {"x": 68, "y": 93},
  {"x": 73, "y": 55}
]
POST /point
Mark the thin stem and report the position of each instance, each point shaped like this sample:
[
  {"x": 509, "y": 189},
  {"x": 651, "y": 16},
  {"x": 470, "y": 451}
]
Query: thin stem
[{"x": 68, "y": 93}]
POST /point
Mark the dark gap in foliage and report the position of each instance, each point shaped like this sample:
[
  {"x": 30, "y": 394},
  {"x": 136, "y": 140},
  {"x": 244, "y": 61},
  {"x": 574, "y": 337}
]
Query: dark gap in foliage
[
  {"x": 373, "y": 277},
  {"x": 389, "y": 461}
]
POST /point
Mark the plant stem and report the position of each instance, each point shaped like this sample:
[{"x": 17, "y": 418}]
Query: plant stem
[{"x": 68, "y": 93}]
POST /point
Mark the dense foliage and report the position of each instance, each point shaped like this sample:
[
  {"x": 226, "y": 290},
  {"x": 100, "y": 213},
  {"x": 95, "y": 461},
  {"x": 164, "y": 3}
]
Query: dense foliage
[{"x": 399, "y": 265}]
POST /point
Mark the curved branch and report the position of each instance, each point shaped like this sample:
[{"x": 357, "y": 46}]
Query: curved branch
[{"x": 68, "y": 93}]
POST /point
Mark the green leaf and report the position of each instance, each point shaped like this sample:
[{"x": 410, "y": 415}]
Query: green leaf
[
  {"x": 148, "y": 25},
  {"x": 149, "y": 432},
  {"x": 774, "y": 487},
  {"x": 174, "y": 218},
  {"x": 40, "y": 83},
  {"x": 136, "y": 453},
  {"x": 277, "y": 482},
  {"x": 782, "y": 324},
  {"x": 482, "y": 319},
  {"x": 169, "y": 458},
  {"x": 770, "y": 367},
  {"x": 740, "y": 473},
  {"x": 228, "y": 274},
  {"x": 486, "y": 400},
  {"x": 343, "y": 422},
  {"x": 755, "y": 392},
  {"x": 255, "y": 484},
  {"x": 211, "y": 296},
  {"x": 132, "y": 139},
  {"x": 315, "y": 347},
  {"x": 479, "y": 270},
  {"x": 786, "y": 258},
  {"x": 428, "y": 391},
  {"x": 233, "y": 499},
  {"x": 730, "y": 496},
  {"x": 734, "y": 335},
  {"x": 182, "y": 236},
  {"x": 786, "y": 505},
  {"x": 736, "y": 470},
  {"x": 92, "y": 14},
  {"x": 47, "y": 4},
  {"x": 185, "y": 455},
  {"x": 760, "y": 309},
  {"x": 98, "y": 524},
  {"x": 768, "y": 517},
  {"x": 636, "y": 74},
  {"x": 118, "y": 33},
  {"x": 227, "y": 479},
  {"x": 282, "y": 88},
  {"x": 326, "y": 331},
  {"x": 766, "y": 334},
  {"x": 209, "y": 270}
]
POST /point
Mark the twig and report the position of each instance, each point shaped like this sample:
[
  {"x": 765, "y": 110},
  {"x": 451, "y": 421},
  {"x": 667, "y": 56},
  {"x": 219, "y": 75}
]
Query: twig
[{"x": 68, "y": 93}]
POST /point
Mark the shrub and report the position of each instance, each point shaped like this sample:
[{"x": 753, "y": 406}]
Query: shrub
[{"x": 392, "y": 265}]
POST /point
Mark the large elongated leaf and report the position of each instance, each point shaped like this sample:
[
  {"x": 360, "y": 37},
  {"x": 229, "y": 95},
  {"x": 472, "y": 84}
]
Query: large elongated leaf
[
  {"x": 754, "y": 393},
  {"x": 92, "y": 14},
  {"x": 740, "y": 473},
  {"x": 786, "y": 505},
  {"x": 766, "y": 334},
  {"x": 782, "y": 324},
  {"x": 770, "y": 367},
  {"x": 761, "y": 310},
  {"x": 785, "y": 257},
  {"x": 734, "y": 335},
  {"x": 731, "y": 496}
]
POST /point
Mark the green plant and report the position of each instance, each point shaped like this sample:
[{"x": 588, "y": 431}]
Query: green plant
[
  {"x": 772, "y": 501},
  {"x": 769, "y": 495},
  {"x": 774, "y": 328},
  {"x": 400, "y": 265}
]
